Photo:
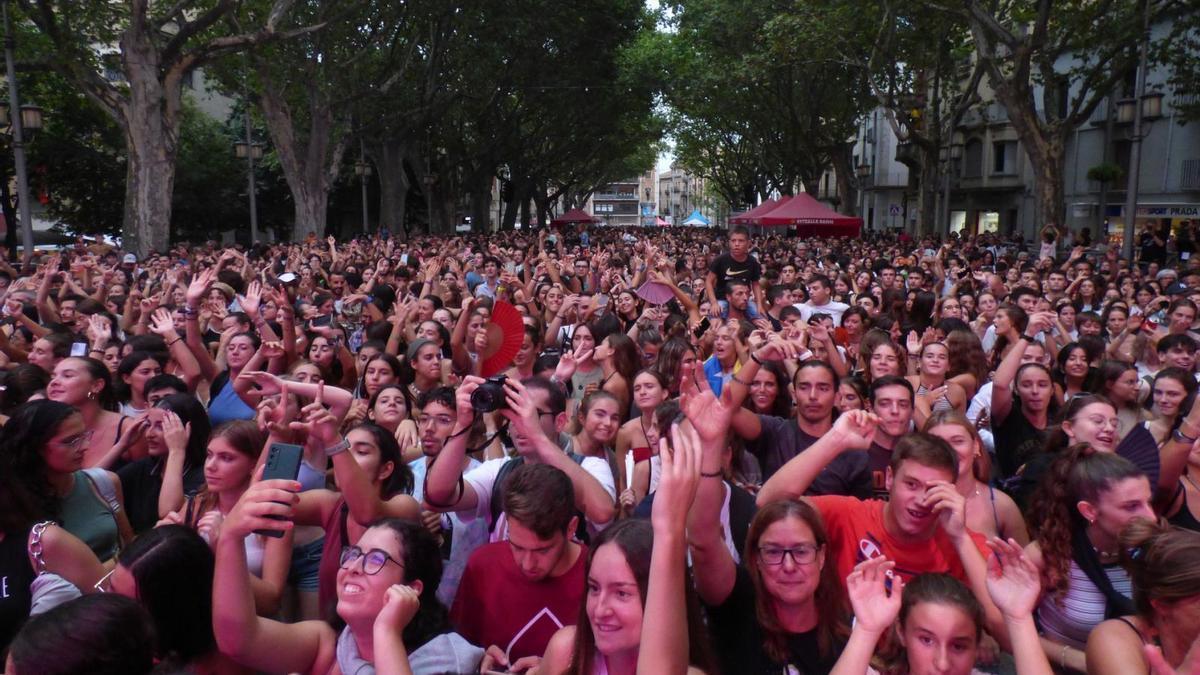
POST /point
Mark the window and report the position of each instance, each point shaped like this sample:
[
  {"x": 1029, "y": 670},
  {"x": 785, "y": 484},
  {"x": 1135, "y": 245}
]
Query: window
[
  {"x": 973, "y": 159},
  {"x": 1004, "y": 158},
  {"x": 989, "y": 221}
]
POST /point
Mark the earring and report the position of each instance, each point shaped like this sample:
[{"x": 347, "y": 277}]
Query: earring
[{"x": 91, "y": 395}]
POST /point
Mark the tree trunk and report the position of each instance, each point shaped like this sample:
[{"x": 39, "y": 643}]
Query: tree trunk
[
  {"x": 150, "y": 121},
  {"x": 388, "y": 157},
  {"x": 1046, "y": 150},
  {"x": 927, "y": 191},
  {"x": 310, "y": 163},
  {"x": 481, "y": 202},
  {"x": 847, "y": 194}
]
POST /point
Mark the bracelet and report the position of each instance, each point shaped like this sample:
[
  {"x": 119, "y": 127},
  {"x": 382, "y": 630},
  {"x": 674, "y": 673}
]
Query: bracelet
[
  {"x": 190, "y": 313},
  {"x": 337, "y": 448},
  {"x": 739, "y": 381},
  {"x": 715, "y": 474},
  {"x": 178, "y": 339},
  {"x": 754, "y": 358},
  {"x": 1027, "y": 338}
]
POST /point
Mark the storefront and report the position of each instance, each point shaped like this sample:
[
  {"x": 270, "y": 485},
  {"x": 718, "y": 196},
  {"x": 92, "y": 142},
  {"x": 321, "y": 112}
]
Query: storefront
[{"x": 1162, "y": 215}]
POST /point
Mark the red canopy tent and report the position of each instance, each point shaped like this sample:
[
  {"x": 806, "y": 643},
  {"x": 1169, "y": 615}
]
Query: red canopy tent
[
  {"x": 811, "y": 218},
  {"x": 574, "y": 216},
  {"x": 747, "y": 217}
]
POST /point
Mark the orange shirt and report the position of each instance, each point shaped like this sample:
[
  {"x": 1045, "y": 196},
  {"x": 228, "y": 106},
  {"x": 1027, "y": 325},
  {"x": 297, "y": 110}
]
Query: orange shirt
[{"x": 856, "y": 533}]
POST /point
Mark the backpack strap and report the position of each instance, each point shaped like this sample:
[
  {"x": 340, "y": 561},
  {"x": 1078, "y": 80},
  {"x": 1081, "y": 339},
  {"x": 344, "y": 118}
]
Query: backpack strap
[
  {"x": 496, "y": 503},
  {"x": 104, "y": 486}
]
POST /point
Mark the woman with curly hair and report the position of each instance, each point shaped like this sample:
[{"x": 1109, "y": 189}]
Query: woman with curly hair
[{"x": 1086, "y": 499}]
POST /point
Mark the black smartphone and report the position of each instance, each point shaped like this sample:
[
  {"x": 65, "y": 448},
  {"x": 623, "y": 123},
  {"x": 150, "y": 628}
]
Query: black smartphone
[
  {"x": 323, "y": 320},
  {"x": 283, "y": 462},
  {"x": 702, "y": 328}
]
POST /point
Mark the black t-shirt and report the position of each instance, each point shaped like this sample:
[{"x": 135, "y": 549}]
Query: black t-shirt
[
  {"x": 782, "y": 439},
  {"x": 879, "y": 459},
  {"x": 16, "y": 574},
  {"x": 739, "y": 639},
  {"x": 141, "y": 481},
  {"x": 1017, "y": 441},
  {"x": 1152, "y": 251},
  {"x": 725, "y": 267}
]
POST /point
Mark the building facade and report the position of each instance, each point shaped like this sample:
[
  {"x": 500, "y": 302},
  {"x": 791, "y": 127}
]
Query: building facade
[
  {"x": 680, "y": 193},
  {"x": 618, "y": 203}
]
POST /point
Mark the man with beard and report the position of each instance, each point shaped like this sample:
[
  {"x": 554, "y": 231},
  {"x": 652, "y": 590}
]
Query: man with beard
[
  {"x": 775, "y": 440},
  {"x": 536, "y": 414},
  {"x": 436, "y": 416}
]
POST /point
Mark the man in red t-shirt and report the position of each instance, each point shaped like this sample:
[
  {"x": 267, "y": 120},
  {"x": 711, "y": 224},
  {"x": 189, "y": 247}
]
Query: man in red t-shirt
[
  {"x": 922, "y": 525},
  {"x": 515, "y": 594}
]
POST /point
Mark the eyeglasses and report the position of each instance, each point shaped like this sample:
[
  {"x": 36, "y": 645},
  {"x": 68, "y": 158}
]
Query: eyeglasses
[
  {"x": 544, "y": 413},
  {"x": 104, "y": 585},
  {"x": 373, "y": 560},
  {"x": 78, "y": 442},
  {"x": 804, "y": 554}
]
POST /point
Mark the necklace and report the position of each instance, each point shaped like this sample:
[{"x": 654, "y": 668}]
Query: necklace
[
  {"x": 1191, "y": 482},
  {"x": 645, "y": 434}
]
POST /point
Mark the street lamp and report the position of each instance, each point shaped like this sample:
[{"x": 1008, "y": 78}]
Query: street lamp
[
  {"x": 18, "y": 136},
  {"x": 863, "y": 171},
  {"x": 363, "y": 170},
  {"x": 250, "y": 151},
  {"x": 1148, "y": 104}
]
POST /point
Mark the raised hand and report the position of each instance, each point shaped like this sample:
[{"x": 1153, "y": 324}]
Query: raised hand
[
  {"x": 263, "y": 499},
  {"x": 1013, "y": 581},
  {"x": 319, "y": 424},
  {"x": 568, "y": 363},
  {"x": 710, "y": 416},
  {"x": 199, "y": 286},
  {"x": 252, "y": 300},
  {"x": 856, "y": 428},
  {"x": 98, "y": 330},
  {"x": 162, "y": 323},
  {"x": 913, "y": 343},
  {"x": 875, "y": 607},
  {"x": 679, "y": 480}
]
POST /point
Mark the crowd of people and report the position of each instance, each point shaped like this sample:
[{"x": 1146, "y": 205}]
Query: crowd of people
[{"x": 712, "y": 452}]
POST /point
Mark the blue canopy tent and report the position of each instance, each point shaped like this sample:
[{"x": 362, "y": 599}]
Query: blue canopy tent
[{"x": 695, "y": 220}]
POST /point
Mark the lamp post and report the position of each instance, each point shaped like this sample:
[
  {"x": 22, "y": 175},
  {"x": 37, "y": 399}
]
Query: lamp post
[
  {"x": 953, "y": 154},
  {"x": 28, "y": 116},
  {"x": 250, "y": 151},
  {"x": 1137, "y": 110},
  {"x": 363, "y": 170},
  {"x": 863, "y": 171}
]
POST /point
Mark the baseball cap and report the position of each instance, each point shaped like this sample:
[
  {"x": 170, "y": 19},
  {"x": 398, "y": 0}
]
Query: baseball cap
[{"x": 129, "y": 259}]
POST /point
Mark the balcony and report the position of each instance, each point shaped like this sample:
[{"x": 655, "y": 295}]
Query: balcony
[{"x": 614, "y": 196}]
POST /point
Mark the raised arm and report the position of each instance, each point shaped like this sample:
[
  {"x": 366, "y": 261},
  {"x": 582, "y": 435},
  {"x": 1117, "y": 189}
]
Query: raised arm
[
  {"x": 444, "y": 487},
  {"x": 195, "y": 341},
  {"x": 852, "y": 431},
  {"x": 361, "y": 494},
  {"x": 596, "y": 503},
  {"x": 261, "y": 644},
  {"x": 665, "y": 625},
  {"x": 875, "y": 611},
  {"x": 1006, "y": 374},
  {"x": 713, "y": 566}
]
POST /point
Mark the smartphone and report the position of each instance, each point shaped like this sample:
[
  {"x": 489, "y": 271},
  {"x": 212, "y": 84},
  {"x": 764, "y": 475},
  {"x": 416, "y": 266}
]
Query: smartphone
[
  {"x": 404, "y": 259},
  {"x": 323, "y": 320},
  {"x": 78, "y": 348},
  {"x": 702, "y": 328},
  {"x": 283, "y": 462}
]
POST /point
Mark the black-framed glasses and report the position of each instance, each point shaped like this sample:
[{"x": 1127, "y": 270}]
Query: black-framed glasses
[
  {"x": 372, "y": 561},
  {"x": 804, "y": 554},
  {"x": 543, "y": 413}
]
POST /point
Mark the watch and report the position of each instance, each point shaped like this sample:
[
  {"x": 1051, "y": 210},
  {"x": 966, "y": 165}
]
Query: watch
[
  {"x": 338, "y": 448},
  {"x": 1028, "y": 338}
]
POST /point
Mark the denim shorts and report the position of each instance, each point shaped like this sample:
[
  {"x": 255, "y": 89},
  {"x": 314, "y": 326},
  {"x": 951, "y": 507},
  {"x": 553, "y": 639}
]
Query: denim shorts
[{"x": 306, "y": 565}]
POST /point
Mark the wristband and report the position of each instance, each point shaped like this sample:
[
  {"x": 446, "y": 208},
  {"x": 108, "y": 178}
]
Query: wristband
[
  {"x": 178, "y": 339},
  {"x": 754, "y": 358},
  {"x": 715, "y": 474},
  {"x": 1027, "y": 338},
  {"x": 735, "y": 378},
  {"x": 338, "y": 448}
]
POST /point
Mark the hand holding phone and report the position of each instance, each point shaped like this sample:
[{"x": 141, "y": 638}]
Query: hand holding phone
[{"x": 282, "y": 463}]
